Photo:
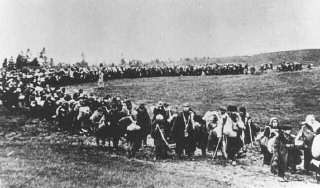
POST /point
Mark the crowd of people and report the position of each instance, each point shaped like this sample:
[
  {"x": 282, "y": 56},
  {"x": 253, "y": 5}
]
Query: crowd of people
[
  {"x": 26, "y": 59},
  {"x": 41, "y": 94},
  {"x": 106, "y": 117},
  {"x": 289, "y": 66},
  {"x": 192, "y": 70},
  {"x": 22, "y": 83},
  {"x": 181, "y": 70},
  {"x": 29, "y": 86}
]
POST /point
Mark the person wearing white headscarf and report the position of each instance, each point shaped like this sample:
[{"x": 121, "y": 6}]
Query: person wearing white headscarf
[
  {"x": 305, "y": 137},
  {"x": 310, "y": 120},
  {"x": 133, "y": 135},
  {"x": 272, "y": 130}
]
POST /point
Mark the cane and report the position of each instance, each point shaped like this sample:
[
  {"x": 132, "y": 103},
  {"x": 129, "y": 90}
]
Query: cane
[
  {"x": 215, "y": 152},
  {"x": 162, "y": 136},
  {"x": 250, "y": 134}
]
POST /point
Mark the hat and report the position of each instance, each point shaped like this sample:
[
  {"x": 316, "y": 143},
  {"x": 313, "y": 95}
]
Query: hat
[
  {"x": 142, "y": 105},
  {"x": 222, "y": 108},
  {"x": 272, "y": 119},
  {"x": 186, "y": 105},
  {"x": 67, "y": 97},
  {"x": 242, "y": 109},
  {"x": 107, "y": 97},
  {"x": 232, "y": 108}
]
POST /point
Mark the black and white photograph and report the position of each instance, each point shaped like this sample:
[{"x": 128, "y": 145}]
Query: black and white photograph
[{"x": 160, "y": 93}]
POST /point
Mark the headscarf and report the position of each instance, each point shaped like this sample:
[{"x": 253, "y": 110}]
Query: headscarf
[
  {"x": 310, "y": 120},
  {"x": 271, "y": 122}
]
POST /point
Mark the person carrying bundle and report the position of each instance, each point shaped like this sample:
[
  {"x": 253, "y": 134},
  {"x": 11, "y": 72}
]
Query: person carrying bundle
[
  {"x": 133, "y": 135},
  {"x": 305, "y": 137},
  {"x": 159, "y": 132}
]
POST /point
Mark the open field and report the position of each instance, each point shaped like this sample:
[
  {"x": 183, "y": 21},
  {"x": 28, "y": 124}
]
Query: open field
[{"x": 34, "y": 154}]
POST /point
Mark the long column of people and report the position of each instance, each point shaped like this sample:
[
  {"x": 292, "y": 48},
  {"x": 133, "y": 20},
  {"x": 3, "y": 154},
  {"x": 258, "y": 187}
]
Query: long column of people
[{"x": 229, "y": 129}]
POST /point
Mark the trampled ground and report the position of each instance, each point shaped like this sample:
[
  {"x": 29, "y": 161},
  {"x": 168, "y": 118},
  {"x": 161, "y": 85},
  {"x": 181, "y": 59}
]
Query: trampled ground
[{"x": 35, "y": 154}]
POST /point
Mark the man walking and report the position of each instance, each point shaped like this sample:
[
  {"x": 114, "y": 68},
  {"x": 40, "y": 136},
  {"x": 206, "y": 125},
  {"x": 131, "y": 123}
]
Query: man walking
[{"x": 183, "y": 132}]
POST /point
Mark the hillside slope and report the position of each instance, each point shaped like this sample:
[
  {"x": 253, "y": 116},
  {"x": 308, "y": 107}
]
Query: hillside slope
[{"x": 305, "y": 56}]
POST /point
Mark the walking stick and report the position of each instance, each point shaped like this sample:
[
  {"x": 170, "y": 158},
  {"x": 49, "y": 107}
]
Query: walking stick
[
  {"x": 171, "y": 146},
  {"x": 215, "y": 152},
  {"x": 250, "y": 134}
]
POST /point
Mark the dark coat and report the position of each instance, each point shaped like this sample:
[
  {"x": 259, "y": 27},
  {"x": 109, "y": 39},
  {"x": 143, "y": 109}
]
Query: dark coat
[
  {"x": 164, "y": 127},
  {"x": 178, "y": 133},
  {"x": 113, "y": 117},
  {"x": 143, "y": 120}
]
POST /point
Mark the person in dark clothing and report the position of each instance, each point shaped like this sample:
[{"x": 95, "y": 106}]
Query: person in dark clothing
[
  {"x": 183, "y": 132},
  {"x": 251, "y": 130},
  {"x": 234, "y": 142},
  {"x": 280, "y": 155},
  {"x": 113, "y": 118},
  {"x": 47, "y": 108},
  {"x": 63, "y": 116},
  {"x": 143, "y": 120},
  {"x": 159, "y": 109},
  {"x": 160, "y": 132}
]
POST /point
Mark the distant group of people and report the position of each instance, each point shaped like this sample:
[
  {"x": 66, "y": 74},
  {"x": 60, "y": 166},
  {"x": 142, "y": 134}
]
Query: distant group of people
[
  {"x": 69, "y": 73},
  {"x": 118, "y": 72},
  {"x": 290, "y": 66},
  {"x": 174, "y": 70}
]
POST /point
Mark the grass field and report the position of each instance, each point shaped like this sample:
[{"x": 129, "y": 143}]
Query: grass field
[{"x": 35, "y": 154}]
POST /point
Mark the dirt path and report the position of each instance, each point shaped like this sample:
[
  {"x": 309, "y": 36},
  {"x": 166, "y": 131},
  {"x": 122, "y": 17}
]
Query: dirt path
[
  {"x": 33, "y": 154},
  {"x": 248, "y": 173}
]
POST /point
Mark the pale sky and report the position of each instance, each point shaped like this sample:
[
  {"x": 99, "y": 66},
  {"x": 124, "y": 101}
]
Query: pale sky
[{"x": 105, "y": 30}]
